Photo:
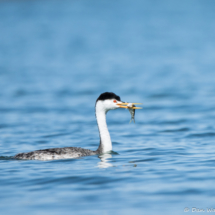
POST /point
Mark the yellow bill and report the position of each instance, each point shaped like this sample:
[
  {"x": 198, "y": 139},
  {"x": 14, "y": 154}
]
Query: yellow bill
[{"x": 129, "y": 105}]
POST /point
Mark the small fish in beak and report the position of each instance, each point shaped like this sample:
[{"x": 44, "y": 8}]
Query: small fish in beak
[
  {"x": 131, "y": 107},
  {"x": 132, "y": 111}
]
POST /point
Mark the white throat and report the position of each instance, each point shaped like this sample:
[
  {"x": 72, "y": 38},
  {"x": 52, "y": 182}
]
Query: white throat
[{"x": 105, "y": 140}]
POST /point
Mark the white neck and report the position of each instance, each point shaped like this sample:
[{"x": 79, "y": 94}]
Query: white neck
[{"x": 105, "y": 140}]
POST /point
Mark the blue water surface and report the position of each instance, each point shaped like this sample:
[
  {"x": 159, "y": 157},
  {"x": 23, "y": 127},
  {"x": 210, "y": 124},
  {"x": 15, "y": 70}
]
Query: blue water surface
[{"x": 57, "y": 57}]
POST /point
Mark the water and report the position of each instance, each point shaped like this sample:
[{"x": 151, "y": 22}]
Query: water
[{"x": 57, "y": 57}]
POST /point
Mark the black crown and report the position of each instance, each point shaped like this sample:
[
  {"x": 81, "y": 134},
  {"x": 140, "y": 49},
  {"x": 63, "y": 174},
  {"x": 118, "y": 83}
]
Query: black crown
[{"x": 108, "y": 95}]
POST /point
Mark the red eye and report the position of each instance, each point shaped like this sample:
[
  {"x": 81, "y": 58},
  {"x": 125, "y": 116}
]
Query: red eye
[{"x": 114, "y": 101}]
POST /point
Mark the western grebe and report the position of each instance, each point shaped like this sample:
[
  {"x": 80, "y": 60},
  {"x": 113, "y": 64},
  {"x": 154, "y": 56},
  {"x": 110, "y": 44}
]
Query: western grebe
[{"x": 105, "y": 102}]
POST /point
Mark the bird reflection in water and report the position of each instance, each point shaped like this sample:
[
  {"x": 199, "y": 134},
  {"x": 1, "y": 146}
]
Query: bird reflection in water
[{"x": 104, "y": 163}]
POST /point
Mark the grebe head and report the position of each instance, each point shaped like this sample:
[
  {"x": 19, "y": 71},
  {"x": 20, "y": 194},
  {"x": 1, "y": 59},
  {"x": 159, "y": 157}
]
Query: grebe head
[{"x": 110, "y": 101}]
